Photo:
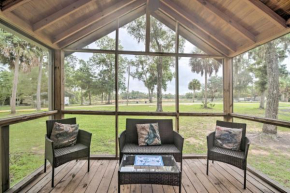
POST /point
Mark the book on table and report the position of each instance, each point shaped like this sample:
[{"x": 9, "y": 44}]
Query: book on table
[{"x": 148, "y": 160}]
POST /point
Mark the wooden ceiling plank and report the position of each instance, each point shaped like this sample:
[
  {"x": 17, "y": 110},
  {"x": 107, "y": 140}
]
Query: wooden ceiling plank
[
  {"x": 267, "y": 12},
  {"x": 58, "y": 15},
  {"x": 85, "y": 23},
  {"x": 153, "y": 5},
  {"x": 243, "y": 31},
  {"x": 13, "y": 5},
  {"x": 201, "y": 34},
  {"x": 104, "y": 21},
  {"x": 22, "y": 25},
  {"x": 194, "y": 19}
]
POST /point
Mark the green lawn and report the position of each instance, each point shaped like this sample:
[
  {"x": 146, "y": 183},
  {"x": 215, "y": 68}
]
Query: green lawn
[{"x": 27, "y": 139}]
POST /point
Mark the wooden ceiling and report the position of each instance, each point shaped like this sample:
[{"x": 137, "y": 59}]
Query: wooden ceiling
[{"x": 227, "y": 27}]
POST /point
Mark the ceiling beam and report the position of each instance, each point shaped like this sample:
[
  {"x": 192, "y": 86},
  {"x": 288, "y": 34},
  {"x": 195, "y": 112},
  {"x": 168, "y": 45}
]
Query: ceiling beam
[
  {"x": 104, "y": 21},
  {"x": 288, "y": 22},
  {"x": 267, "y": 12},
  {"x": 243, "y": 31},
  {"x": 22, "y": 25},
  {"x": 195, "y": 20},
  {"x": 198, "y": 32},
  {"x": 56, "y": 16},
  {"x": 85, "y": 23},
  {"x": 13, "y": 5},
  {"x": 153, "y": 5}
]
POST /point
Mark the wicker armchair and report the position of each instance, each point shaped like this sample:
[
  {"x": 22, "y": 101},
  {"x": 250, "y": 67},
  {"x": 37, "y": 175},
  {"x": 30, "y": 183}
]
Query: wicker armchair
[
  {"x": 172, "y": 142},
  {"x": 57, "y": 157},
  {"x": 235, "y": 158}
]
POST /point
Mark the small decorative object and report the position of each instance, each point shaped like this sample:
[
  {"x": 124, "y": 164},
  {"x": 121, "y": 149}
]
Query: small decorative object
[
  {"x": 148, "y": 134},
  {"x": 64, "y": 135},
  {"x": 228, "y": 138},
  {"x": 148, "y": 160}
]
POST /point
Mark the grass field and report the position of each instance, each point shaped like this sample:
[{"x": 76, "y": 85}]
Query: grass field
[{"x": 27, "y": 139}]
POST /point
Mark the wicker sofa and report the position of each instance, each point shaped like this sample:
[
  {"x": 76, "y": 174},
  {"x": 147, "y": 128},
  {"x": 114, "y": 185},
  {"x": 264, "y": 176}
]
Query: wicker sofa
[{"x": 172, "y": 142}]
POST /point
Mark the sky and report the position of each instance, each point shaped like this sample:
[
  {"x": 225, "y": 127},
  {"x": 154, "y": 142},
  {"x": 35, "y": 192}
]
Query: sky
[
  {"x": 130, "y": 44},
  {"x": 185, "y": 75}
]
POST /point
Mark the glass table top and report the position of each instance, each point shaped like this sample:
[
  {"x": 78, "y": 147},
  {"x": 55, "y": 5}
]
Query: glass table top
[{"x": 170, "y": 166}]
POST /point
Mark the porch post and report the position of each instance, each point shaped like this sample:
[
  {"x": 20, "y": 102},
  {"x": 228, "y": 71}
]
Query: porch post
[
  {"x": 58, "y": 83},
  {"x": 228, "y": 88},
  {"x": 116, "y": 90},
  {"x": 177, "y": 75},
  {"x": 4, "y": 161}
]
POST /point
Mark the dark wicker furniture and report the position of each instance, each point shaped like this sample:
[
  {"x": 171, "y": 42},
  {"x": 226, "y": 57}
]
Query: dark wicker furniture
[
  {"x": 172, "y": 142},
  {"x": 57, "y": 157},
  {"x": 235, "y": 158},
  {"x": 169, "y": 174}
]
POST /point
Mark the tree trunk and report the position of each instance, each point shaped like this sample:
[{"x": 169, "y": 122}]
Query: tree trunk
[
  {"x": 262, "y": 100},
  {"x": 159, "y": 85},
  {"x": 239, "y": 95},
  {"x": 286, "y": 97},
  {"x": 128, "y": 85},
  {"x": 193, "y": 95},
  {"x": 90, "y": 98},
  {"x": 15, "y": 83},
  {"x": 283, "y": 97},
  {"x": 102, "y": 99},
  {"x": 150, "y": 95},
  {"x": 38, "y": 98},
  {"x": 205, "y": 89},
  {"x": 271, "y": 60},
  {"x": 82, "y": 100},
  {"x": 109, "y": 98}
]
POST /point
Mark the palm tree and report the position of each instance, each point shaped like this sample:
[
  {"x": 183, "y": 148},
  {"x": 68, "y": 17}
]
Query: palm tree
[
  {"x": 20, "y": 55},
  {"x": 194, "y": 85},
  {"x": 204, "y": 66}
]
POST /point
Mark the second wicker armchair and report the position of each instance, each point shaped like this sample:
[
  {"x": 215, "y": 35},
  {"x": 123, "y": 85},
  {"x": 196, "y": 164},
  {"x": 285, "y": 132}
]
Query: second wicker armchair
[{"x": 235, "y": 158}]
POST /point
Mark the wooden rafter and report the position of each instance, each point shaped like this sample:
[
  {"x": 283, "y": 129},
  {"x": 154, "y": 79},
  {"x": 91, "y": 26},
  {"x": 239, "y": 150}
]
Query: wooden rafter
[
  {"x": 194, "y": 19},
  {"x": 56, "y": 16},
  {"x": 267, "y": 12},
  {"x": 243, "y": 31},
  {"x": 85, "y": 23},
  {"x": 102, "y": 22},
  {"x": 22, "y": 25},
  {"x": 12, "y": 5},
  {"x": 261, "y": 39},
  {"x": 288, "y": 23},
  {"x": 197, "y": 31}
]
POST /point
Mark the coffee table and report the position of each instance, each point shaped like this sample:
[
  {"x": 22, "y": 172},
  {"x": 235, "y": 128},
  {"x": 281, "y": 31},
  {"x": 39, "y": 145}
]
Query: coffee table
[{"x": 169, "y": 174}]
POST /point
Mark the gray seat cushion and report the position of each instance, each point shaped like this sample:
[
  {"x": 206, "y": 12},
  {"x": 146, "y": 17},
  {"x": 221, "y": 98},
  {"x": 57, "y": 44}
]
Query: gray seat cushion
[
  {"x": 227, "y": 152},
  {"x": 162, "y": 149}
]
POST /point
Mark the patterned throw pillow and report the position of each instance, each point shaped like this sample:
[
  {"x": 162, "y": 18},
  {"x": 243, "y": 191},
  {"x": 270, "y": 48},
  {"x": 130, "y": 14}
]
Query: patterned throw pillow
[
  {"x": 148, "y": 134},
  {"x": 228, "y": 138},
  {"x": 64, "y": 135}
]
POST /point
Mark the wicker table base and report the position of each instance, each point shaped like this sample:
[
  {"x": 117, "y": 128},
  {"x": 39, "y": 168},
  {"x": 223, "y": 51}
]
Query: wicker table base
[{"x": 169, "y": 174}]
